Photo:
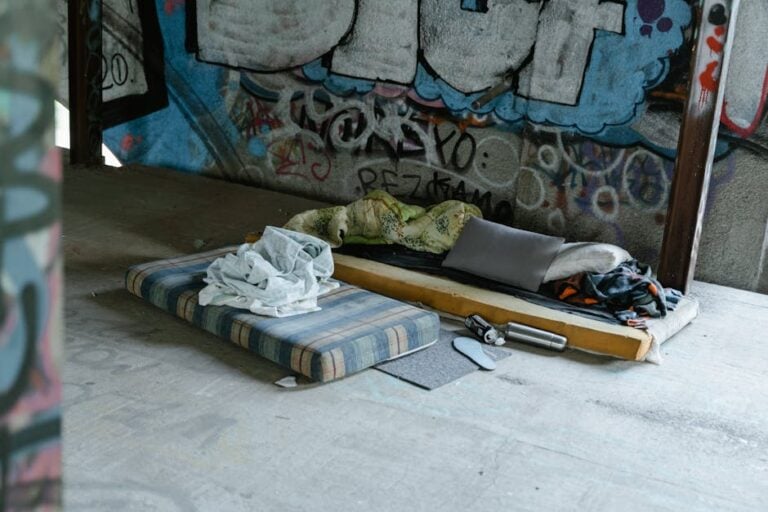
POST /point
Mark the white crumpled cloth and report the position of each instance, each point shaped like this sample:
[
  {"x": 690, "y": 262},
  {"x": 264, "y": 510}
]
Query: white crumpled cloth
[{"x": 280, "y": 275}]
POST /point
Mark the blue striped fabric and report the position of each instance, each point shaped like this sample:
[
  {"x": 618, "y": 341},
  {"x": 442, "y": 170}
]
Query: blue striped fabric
[{"x": 354, "y": 330}]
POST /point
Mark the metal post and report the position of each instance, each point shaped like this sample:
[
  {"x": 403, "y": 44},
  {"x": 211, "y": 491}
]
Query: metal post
[
  {"x": 696, "y": 146},
  {"x": 85, "y": 77}
]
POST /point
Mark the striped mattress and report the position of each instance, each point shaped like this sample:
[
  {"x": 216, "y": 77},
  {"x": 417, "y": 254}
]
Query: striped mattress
[{"x": 354, "y": 330}]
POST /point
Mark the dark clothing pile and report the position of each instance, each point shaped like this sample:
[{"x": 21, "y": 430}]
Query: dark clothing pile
[{"x": 629, "y": 292}]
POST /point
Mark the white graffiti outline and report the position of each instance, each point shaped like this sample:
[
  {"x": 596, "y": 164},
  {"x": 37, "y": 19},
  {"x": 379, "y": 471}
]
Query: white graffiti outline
[
  {"x": 388, "y": 126},
  {"x": 664, "y": 181},
  {"x": 515, "y": 160},
  {"x": 556, "y": 160},
  {"x": 599, "y": 212},
  {"x": 572, "y": 163},
  {"x": 542, "y": 194},
  {"x": 556, "y": 221}
]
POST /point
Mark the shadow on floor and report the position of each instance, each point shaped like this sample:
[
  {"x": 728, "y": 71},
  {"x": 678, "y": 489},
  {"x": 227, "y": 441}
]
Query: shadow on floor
[{"x": 116, "y": 320}]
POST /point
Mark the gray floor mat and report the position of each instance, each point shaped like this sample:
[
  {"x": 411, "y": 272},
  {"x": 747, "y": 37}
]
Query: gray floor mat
[{"x": 439, "y": 364}]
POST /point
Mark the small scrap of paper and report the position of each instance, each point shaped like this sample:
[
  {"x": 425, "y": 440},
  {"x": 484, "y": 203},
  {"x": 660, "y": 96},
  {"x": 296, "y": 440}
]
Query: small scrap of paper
[{"x": 287, "y": 382}]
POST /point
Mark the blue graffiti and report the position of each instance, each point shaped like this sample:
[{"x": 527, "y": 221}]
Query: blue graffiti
[
  {"x": 194, "y": 132},
  {"x": 622, "y": 68}
]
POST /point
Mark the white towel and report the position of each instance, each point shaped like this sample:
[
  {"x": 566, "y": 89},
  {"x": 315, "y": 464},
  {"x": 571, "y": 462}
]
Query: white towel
[{"x": 280, "y": 275}]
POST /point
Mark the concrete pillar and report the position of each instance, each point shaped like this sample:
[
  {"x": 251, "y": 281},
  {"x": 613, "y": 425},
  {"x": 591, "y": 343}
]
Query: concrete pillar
[{"x": 30, "y": 265}]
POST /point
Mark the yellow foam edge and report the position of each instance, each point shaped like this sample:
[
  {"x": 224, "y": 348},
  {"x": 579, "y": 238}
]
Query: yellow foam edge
[{"x": 460, "y": 299}]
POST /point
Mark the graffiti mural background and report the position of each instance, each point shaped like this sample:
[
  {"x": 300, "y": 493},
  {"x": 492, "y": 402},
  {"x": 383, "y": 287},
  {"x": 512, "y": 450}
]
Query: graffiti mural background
[
  {"x": 330, "y": 99},
  {"x": 30, "y": 266}
]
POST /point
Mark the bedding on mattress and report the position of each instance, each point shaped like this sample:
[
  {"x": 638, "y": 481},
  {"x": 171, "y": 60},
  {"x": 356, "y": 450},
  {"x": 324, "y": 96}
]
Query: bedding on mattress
[{"x": 354, "y": 330}]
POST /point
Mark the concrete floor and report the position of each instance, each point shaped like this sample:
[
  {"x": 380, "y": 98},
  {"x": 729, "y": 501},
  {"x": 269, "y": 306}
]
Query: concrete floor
[{"x": 162, "y": 416}]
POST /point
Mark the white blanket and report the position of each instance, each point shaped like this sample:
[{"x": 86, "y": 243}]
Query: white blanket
[{"x": 280, "y": 275}]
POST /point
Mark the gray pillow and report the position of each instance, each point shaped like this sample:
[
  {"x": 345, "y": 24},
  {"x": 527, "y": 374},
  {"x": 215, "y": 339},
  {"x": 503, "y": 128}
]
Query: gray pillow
[{"x": 508, "y": 255}]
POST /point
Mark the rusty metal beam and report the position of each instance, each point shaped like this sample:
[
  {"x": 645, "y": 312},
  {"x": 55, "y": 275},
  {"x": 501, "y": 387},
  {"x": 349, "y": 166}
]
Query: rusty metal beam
[
  {"x": 85, "y": 104},
  {"x": 696, "y": 145}
]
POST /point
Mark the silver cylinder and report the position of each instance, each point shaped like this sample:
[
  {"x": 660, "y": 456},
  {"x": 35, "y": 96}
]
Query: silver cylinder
[{"x": 535, "y": 337}]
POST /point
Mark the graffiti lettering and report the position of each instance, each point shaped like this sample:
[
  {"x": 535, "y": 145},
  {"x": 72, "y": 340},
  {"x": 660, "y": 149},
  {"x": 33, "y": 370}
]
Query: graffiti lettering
[
  {"x": 280, "y": 34},
  {"x": 367, "y": 52},
  {"x": 562, "y": 50},
  {"x": 294, "y": 157},
  {"x": 386, "y": 37},
  {"x": 466, "y": 146},
  {"x": 431, "y": 188},
  {"x": 114, "y": 71},
  {"x": 449, "y": 40}
]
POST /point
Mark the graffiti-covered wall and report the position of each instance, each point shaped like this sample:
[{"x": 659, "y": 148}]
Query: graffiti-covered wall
[
  {"x": 555, "y": 115},
  {"x": 30, "y": 266}
]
